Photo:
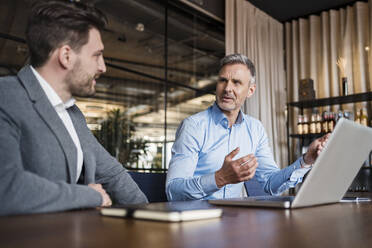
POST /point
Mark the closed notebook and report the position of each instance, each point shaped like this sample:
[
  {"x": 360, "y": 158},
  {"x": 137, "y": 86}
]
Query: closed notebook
[{"x": 166, "y": 211}]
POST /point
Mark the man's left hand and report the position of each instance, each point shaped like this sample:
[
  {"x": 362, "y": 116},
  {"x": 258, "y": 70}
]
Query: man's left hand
[{"x": 315, "y": 148}]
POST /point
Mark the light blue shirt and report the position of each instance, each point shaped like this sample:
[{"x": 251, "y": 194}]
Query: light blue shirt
[{"x": 202, "y": 142}]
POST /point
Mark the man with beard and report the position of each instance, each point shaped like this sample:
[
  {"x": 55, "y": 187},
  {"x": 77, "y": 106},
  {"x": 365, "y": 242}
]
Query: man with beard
[
  {"x": 49, "y": 159},
  {"x": 218, "y": 149}
]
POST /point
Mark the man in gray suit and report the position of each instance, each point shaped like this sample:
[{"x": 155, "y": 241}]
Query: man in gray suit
[{"x": 49, "y": 159}]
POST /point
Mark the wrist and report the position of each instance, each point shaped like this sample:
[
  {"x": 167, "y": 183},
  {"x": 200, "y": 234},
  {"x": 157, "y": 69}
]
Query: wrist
[
  {"x": 304, "y": 163},
  {"x": 98, "y": 198},
  {"x": 219, "y": 179}
]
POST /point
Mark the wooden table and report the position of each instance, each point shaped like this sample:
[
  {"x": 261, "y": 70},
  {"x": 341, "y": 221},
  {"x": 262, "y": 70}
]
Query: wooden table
[{"x": 336, "y": 225}]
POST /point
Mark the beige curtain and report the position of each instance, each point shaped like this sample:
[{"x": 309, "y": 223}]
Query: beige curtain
[
  {"x": 314, "y": 44},
  {"x": 252, "y": 32}
]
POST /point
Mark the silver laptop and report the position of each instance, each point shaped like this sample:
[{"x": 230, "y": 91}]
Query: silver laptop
[{"x": 332, "y": 174}]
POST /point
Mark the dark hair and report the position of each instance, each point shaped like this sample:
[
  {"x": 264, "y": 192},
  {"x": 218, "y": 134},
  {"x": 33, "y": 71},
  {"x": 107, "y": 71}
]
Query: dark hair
[
  {"x": 53, "y": 23},
  {"x": 239, "y": 59}
]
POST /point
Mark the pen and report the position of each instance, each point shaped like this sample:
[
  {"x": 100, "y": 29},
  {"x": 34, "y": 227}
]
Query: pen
[
  {"x": 355, "y": 199},
  {"x": 362, "y": 199}
]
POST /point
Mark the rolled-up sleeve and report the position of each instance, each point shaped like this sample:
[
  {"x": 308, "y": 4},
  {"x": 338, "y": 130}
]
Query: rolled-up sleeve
[{"x": 274, "y": 180}]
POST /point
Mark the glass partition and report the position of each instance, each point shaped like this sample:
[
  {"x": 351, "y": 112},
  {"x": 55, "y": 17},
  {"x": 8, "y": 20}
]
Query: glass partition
[{"x": 161, "y": 61}]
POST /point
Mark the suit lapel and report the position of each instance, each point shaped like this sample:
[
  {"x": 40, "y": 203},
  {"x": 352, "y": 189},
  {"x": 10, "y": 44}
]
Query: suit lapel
[
  {"x": 48, "y": 114},
  {"x": 83, "y": 134}
]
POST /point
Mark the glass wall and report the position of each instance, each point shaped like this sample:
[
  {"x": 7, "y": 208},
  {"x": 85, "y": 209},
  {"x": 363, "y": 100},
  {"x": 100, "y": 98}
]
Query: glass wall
[{"x": 161, "y": 60}]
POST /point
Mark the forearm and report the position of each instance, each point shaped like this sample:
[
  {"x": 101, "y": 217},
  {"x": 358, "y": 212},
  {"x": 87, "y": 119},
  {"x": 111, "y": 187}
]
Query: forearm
[
  {"x": 116, "y": 180},
  {"x": 194, "y": 188},
  {"x": 286, "y": 178},
  {"x": 23, "y": 192},
  {"x": 278, "y": 181},
  {"x": 122, "y": 189}
]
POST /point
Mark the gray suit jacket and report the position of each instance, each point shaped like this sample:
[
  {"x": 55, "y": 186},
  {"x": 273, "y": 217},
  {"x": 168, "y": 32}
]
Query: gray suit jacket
[{"x": 38, "y": 157}]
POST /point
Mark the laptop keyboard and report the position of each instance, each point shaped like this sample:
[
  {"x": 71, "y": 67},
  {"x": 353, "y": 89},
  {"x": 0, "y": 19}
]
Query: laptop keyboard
[{"x": 272, "y": 198}]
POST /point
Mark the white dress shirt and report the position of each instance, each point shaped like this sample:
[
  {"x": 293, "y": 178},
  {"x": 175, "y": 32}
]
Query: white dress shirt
[{"x": 61, "y": 109}]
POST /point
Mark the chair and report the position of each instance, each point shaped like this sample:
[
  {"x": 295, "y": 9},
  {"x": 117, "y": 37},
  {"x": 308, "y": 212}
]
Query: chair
[
  {"x": 254, "y": 188},
  {"x": 151, "y": 184}
]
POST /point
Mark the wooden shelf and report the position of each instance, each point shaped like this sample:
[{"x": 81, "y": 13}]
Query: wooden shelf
[
  {"x": 304, "y": 138},
  {"x": 362, "y": 97},
  {"x": 307, "y": 136}
]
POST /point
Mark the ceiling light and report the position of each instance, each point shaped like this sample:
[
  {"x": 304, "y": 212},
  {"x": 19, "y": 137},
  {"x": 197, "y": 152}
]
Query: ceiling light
[
  {"x": 95, "y": 107},
  {"x": 21, "y": 49},
  {"x": 140, "y": 27},
  {"x": 94, "y": 126}
]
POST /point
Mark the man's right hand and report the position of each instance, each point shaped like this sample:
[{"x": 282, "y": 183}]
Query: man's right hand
[
  {"x": 106, "y": 200},
  {"x": 235, "y": 171}
]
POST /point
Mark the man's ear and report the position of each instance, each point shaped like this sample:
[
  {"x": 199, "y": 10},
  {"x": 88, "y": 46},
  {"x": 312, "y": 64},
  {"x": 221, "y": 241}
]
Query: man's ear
[
  {"x": 251, "y": 90},
  {"x": 66, "y": 56}
]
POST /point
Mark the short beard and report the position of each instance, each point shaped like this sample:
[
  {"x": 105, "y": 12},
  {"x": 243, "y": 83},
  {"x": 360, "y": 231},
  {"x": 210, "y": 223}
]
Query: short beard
[
  {"x": 222, "y": 107},
  {"x": 80, "y": 83}
]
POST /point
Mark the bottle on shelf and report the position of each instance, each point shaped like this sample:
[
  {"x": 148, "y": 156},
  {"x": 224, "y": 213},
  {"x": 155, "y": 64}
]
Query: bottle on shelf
[
  {"x": 344, "y": 86},
  {"x": 325, "y": 122},
  {"x": 357, "y": 117},
  {"x": 300, "y": 120},
  {"x": 364, "y": 117},
  {"x": 318, "y": 123},
  {"x": 305, "y": 125},
  {"x": 313, "y": 123},
  {"x": 331, "y": 122}
]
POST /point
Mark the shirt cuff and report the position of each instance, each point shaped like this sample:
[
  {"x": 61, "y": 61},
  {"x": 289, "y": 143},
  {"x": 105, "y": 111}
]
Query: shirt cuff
[
  {"x": 303, "y": 163},
  {"x": 298, "y": 173},
  {"x": 208, "y": 183}
]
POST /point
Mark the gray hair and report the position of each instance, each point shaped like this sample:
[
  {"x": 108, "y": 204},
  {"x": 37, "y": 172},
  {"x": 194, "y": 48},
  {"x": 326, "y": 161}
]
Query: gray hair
[{"x": 239, "y": 59}]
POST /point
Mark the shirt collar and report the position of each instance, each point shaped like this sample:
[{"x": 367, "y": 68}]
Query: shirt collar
[
  {"x": 53, "y": 97},
  {"x": 219, "y": 116}
]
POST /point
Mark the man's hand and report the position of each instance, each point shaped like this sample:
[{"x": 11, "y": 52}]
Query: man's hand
[
  {"x": 315, "y": 148},
  {"x": 235, "y": 171},
  {"x": 106, "y": 200}
]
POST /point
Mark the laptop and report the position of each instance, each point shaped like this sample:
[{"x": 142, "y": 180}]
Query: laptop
[{"x": 332, "y": 173}]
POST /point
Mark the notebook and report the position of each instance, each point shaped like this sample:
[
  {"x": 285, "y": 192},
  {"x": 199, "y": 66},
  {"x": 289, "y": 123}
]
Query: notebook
[
  {"x": 166, "y": 211},
  {"x": 332, "y": 174}
]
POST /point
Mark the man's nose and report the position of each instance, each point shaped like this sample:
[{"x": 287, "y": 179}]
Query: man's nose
[
  {"x": 229, "y": 86},
  {"x": 102, "y": 66}
]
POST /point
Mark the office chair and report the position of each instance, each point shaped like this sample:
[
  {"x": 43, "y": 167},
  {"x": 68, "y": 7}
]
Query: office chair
[{"x": 151, "y": 184}]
